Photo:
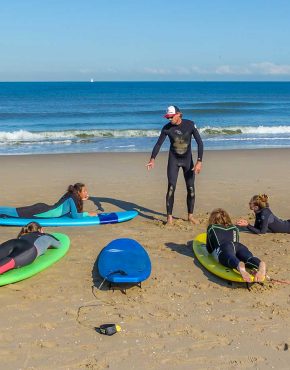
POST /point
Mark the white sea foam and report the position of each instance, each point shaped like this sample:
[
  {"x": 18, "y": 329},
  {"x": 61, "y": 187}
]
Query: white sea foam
[
  {"x": 22, "y": 135},
  {"x": 248, "y": 139},
  {"x": 260, "y": 130},
  {"x": 57, "y": 137}
]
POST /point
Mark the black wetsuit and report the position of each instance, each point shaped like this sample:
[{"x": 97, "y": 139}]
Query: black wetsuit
[
  {"x": 16, "y": 253},
  {"x": 21, "y": 252},
  {"x": 180, "y": 156},
  {"x": 41, "y": 241},
  {"x": 266, "y": 221},
  {"x": 223, "y": 243}
]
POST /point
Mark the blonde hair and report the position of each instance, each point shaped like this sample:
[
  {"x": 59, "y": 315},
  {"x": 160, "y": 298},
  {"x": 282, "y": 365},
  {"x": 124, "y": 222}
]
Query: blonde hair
[
  {"x": 260, "y": 200},
  {"x": 30, "y": 228},
  {"x": 219, "y": 217}
]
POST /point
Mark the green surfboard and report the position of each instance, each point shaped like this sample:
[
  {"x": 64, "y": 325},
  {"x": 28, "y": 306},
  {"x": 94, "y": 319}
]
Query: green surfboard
[
  {"x": 211, "y": 264},
  {"x": 51, "y": 256}
]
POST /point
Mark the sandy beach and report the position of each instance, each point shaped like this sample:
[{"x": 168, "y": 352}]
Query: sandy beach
[{"x": 183, "y": 317}]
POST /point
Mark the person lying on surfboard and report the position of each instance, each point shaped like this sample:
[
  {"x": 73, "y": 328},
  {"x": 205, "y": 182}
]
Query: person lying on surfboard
[
  {"x": 30, "y": 243},
  {"x": 265, "y": 220},
  {"x": 70, "y": 204},
  {"x": 222, "y": 242}
]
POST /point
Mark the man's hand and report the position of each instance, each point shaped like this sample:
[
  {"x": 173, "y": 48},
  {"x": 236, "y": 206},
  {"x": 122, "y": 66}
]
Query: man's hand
[
  {"x": 197, "y": 167},
  {"x": 150, "y": 165}
]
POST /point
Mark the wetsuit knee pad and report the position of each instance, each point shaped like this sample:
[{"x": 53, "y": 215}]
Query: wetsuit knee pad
[
  {"x": 190, "y": 191},
  {"x": 171, "y": 190}
]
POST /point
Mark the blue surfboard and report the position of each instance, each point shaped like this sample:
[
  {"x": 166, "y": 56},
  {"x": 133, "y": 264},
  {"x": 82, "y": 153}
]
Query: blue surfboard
[
  {"x": 101, "y": 219},
  {"x": 124, "y": 261}
]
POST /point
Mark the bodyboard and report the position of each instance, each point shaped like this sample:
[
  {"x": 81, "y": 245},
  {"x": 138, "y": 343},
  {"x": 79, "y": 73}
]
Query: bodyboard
[
  {"x": 207, "y": 261},
  {"x": 124, "y": 261}
]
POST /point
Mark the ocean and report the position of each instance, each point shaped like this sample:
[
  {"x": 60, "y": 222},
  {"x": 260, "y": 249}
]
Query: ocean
[{"x": 78, "y": 117}]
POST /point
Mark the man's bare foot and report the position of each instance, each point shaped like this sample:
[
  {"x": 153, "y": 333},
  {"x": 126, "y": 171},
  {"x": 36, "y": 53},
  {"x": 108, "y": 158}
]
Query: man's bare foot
[
  {"x": 245, "y": 275},
  {"x": 261, "y": 273},
  {"x": 169, "y": 220},
  {"x": 192, "y": 220}
]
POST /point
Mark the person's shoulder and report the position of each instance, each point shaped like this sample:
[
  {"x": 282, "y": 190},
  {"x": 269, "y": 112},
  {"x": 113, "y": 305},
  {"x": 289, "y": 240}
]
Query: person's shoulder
[
  {"x": 39, "y": 235},
  {"x": 190, "y": 122},
  {"x": 167, "y": 126},
  {"x": 210, "y": 227},
  {"x": 266, "y": 211}
]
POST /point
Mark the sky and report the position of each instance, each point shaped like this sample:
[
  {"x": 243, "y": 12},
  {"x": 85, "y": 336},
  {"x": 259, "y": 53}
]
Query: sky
[{"x": 145, "y": 40}]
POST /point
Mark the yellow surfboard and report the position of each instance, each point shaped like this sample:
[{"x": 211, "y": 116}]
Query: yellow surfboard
[{"x": 211, "y": 264}]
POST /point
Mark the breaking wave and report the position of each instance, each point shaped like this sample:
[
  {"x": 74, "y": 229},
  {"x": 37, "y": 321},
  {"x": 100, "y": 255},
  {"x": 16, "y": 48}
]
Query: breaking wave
[{"x": 57, "y": 137}]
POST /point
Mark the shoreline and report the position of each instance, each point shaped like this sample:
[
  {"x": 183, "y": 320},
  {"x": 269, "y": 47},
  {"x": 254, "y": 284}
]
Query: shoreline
[{"x": 143, "y": 152}]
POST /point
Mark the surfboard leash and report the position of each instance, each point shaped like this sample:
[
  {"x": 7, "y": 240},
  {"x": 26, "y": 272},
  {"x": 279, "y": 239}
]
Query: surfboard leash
[
  {"x": 98, "y": 304},
  {"x": 268, "y": 278},
  {"x": 121, "y": 272}
]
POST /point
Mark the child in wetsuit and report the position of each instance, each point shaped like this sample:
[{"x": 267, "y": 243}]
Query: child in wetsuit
[
  {"x": 31, "y": 243},
  {"x": 222, "y": 242},
  {"x": 70, "y": 204},
  {"x": 265, "y": 220}
]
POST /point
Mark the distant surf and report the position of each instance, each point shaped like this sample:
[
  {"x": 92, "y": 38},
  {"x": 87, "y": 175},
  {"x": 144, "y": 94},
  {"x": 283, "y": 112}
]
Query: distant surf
[
  {"x": 62, "y": 117},
  {"x": 22, "y": 136}
]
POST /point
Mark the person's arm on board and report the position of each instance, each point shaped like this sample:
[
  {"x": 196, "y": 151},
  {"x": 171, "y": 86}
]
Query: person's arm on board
[{"x": 74, "y": 212}]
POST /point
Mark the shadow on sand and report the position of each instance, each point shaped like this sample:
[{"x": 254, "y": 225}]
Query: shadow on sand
[
  {"x": 186, "y": 250},
  {"x": 126, "y": 206}
]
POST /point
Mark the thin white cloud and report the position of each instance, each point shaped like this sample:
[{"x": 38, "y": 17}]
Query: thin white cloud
[
  {"x": 263, "y": 68},
  {"x": 268, "y": 68},
  {"x": 175, "y": 71},
  {"x": 232, "y": 70},
  {"x": 157, "y": 71}
]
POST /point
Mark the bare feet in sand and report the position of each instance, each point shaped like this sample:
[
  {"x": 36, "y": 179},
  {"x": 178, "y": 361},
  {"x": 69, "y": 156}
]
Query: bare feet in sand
[
  {"x": 192, "y": 220},
  {"x": 169, "y": 220},
  {"x": 261, "y": 273},
  {"x": 242, "y": 270}
]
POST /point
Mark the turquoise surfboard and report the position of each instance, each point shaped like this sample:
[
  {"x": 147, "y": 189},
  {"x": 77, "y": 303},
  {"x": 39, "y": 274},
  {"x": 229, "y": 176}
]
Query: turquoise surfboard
[{"x": 101, "y": 219}]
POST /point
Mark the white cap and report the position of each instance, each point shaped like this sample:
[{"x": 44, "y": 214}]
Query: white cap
[{"x": 171, "y": 111}]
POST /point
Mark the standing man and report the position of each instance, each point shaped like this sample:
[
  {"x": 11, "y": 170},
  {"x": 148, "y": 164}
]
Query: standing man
[{"x": 180, "y": 132}]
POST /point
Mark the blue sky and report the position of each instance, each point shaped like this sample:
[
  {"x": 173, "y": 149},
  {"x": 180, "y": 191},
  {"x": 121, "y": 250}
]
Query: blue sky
[{"x": 150, "y": 40}]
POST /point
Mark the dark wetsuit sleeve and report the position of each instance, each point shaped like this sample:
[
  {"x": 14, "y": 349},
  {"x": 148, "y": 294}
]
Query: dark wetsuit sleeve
[
  {"x": 209, "y": 240},
  {"x": 262, "y": 227},
  {"x": 199, "y": 143},
  {"x": 159, "y": 143}
]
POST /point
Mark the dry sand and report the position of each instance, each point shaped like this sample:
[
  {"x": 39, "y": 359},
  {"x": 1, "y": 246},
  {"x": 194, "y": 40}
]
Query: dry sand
[{"x": 183, "y": 317}]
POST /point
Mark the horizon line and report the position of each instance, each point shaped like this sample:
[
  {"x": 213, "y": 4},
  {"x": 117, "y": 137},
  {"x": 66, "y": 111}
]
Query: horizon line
[{"x": 147, "y": 81}]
